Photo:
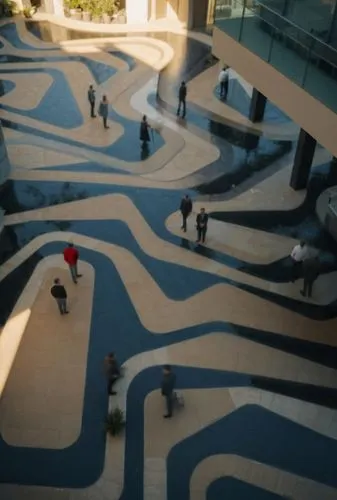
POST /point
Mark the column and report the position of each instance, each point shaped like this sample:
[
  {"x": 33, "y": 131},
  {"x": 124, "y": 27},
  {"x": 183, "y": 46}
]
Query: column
[
  {"x": 332, "y": 175},
  {"x": 303, "y": 159},
  {"x": 4, "y": 160},
  {"x": 58, "y": 8},
  {"x": 257, "y": 106},
  {"x": 137, "y": 11},
  {"x": 153, "y": 10}
]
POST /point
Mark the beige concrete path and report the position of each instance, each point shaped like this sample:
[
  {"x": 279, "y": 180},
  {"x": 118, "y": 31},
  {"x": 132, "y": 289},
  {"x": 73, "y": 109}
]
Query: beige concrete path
[{"x": 42, "y": 404}]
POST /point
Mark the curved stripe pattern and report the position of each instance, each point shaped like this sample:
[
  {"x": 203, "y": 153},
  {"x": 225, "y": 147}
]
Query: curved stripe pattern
[{"x": 255, "y": 362}]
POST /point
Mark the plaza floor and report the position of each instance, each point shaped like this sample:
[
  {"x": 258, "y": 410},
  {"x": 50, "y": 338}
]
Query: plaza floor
[{"x": 255, "y": 361}]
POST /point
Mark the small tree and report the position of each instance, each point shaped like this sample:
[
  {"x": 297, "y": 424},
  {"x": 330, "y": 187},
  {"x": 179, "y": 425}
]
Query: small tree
[{"x": 114, "y": 422}]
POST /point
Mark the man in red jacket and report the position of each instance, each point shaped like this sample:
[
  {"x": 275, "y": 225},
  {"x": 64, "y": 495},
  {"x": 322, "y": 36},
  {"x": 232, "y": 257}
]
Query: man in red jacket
[{"x": 71, "y": 255}]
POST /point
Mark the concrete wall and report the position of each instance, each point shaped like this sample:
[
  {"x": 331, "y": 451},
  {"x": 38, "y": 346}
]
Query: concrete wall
[{"x": 305, "y": 110}]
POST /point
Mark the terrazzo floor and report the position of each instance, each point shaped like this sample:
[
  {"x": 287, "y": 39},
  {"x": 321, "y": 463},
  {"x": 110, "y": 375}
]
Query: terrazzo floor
[{"x": 255, "y": 362}]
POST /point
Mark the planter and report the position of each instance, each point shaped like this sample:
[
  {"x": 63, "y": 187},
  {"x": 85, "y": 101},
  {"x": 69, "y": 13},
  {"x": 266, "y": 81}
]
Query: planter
[
  {"x": 96, "y": 19},
  {"x": 86, "y": 17},
  {"x": 121, "y": 19},
  {"x": 76, "y": 14},
  {"x": 106, "y": 19}
]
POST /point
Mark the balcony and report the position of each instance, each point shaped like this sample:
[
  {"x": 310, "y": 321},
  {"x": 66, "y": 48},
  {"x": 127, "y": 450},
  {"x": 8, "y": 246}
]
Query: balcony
[{"x": 295, "y": 52}]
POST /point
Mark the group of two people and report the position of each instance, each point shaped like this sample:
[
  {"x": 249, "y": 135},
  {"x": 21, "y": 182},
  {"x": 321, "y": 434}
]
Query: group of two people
[
  {"x": 103, "y": 109},
  {"x": 186, "y": 207},
  {"x": 113, "y": 373},
  {"x": 58, "y": 291}
]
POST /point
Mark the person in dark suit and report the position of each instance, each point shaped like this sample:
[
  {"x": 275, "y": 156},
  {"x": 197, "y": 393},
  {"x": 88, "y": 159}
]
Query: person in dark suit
[
  {"x": 167, "y": 389},
  {"x": 202, "y": 221},
  {"x": 182, "y": 99},
  {"x": 144, "y": 135},
  {"x": 185, "y": 209},
  {"x": 112, "y": 372},
  {"x": 92, "y": 100},
  {"x": 310, "y": 268}
]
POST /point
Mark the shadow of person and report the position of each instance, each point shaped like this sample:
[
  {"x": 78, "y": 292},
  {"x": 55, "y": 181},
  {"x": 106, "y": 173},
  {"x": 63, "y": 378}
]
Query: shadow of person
[
  {"x": 185, "y": 243},
  {"x": 145, "y": 151},
  {"x": 201, "y": 249}
]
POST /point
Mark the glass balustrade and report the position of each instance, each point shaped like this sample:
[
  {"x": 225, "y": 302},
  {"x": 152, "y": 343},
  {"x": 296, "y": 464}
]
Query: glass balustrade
[{"x": 296, "y": 53}]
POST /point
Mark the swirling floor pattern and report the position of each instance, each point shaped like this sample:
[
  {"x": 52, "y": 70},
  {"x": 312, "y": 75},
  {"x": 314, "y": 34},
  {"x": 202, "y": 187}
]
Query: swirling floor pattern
[{"x": 255, "y": 361}]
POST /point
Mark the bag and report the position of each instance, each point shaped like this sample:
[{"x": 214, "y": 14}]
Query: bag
[
  {"x": 179, "y": 399},
  {"x": 100, "y": 110}
]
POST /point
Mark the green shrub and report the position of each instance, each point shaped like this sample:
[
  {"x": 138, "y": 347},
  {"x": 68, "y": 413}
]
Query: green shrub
[
  {"x": 87, "y": 5},
  {"x": 9, "y": 8},
  {"x": 109, "y": 7},
  {"x": 114, "y": 422},
  {"x": 72, "y": 4},
  {"x": 28, "y": 12}
]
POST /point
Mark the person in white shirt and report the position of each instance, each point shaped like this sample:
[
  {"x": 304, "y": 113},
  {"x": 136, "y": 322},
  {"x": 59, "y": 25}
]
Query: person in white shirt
[
  {"x": 223, "y": 81},
  {"x": 298, "y": 254}
]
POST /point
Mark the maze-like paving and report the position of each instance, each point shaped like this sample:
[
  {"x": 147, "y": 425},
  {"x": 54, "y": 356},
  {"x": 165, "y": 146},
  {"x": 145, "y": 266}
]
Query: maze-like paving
[{"x": 255, "y": 361}]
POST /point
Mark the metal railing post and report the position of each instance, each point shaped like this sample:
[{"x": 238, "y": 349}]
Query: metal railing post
[{"x": 242, "y": 19}]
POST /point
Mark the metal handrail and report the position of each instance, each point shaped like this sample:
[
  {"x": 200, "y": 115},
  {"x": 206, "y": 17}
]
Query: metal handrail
[{"x": 287, "y": 21}]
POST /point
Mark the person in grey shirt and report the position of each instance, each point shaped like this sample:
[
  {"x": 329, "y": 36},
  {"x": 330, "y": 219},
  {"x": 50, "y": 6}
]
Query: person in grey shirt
[{"x": 103, "y": 110}]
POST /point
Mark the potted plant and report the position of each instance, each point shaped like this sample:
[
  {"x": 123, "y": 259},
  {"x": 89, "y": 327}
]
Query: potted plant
[
  {"x": 121, "y": 16},
  {"x": 28, "y": 12},
  {"x": 96, "y": 13},
  {"x": 114, "y": 422},
  {"x": 87, "y": 8},
  {"x": 74, "y": 9},
  {"x": 9, "y": 8},
  {"x": 109, "y": 10}
]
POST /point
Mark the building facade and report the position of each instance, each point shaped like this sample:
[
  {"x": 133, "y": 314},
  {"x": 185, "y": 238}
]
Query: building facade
[{"x": 192, "y": 13}]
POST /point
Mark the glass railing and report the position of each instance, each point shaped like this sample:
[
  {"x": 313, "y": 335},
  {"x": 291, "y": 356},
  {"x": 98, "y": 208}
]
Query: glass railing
[{"x": 297, "y": 54}]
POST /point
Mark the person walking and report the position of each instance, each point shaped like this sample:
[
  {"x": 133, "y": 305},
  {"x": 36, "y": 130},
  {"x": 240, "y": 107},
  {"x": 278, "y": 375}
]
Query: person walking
[
  {"x": 144, "y": 135},
  {"x": 311, "y": 268},
  {"x": 103, "y": 110},
  {"x": 112, "y": 371},
  {"x": 298, "y": 254},
  {"x": 167, "y": 389},
  {"x": 71, "y": 256},
  {"x": 60, "y": 295},
  {"x": 182, "y": 99},
  {"x": 202, "y": 222},
  {"x": 92, "y": 100},
  {"x": 223, "y": 81},
  {"x": 186, "y": 207}
]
